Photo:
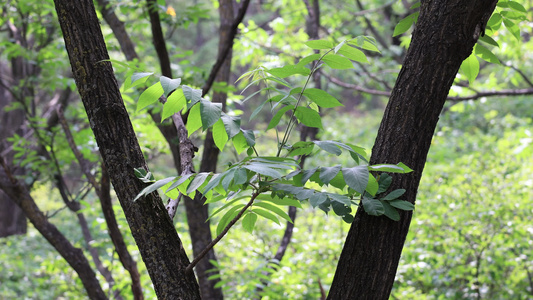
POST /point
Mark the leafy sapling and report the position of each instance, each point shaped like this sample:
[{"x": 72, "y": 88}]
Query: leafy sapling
[{"x": 259, "y": 185}]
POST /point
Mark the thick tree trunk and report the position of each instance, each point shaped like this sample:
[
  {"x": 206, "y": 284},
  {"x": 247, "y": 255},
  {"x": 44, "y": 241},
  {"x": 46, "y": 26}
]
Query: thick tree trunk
[
  {"x": 152, "y": 229},
  {"x": 444, "y": 36}
]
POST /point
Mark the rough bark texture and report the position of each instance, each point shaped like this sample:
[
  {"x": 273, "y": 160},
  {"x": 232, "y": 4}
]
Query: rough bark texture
[
  {"x": 152, "y": 229},
  {"x": 444, "y": 36}
]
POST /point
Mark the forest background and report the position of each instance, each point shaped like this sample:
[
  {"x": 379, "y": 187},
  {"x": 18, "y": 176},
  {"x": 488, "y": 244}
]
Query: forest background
[{"x": 471, "y": 234}]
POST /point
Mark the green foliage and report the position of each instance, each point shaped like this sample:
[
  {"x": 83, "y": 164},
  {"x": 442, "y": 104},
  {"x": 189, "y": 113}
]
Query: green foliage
[
  {"x": 279, "y": 175},
  {"x": 470, "y": 239}
]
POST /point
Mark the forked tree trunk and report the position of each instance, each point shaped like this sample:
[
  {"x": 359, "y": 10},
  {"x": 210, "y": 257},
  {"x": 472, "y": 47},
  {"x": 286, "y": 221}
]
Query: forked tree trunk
[
  {"x": 152, "y": 229},
  {"x": 444, "y": 36}
]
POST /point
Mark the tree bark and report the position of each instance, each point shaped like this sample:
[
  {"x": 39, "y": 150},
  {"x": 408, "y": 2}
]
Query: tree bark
[
  {"x": 152, "y": 229},
  {"x": 444, "y": 36}
]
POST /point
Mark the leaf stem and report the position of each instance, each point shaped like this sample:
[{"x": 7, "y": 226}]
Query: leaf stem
[
  {"x": 221, "y": 235},
  {"x": 290, "y": 125}
]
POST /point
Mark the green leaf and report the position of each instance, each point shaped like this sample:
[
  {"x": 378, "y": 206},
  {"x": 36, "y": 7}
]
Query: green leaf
[
  {"x": 193, "y": 96},
  {"x": 406, "y": 169},
  {"x": 339, "y": 198},
  {"x": 153, "y": 187},
  {"x": 215, "y": 180},
  {"x": 228, "y": 216},
  {"x": 390, "y": 211},
  {"x": 321, "y": 98},
  {"x": 335, "y": 61},
  {"x": 394, "y": 194},
  {"x": 263, "y": 169},
  {"x": 289, "y": 70},
  {"x": 486, "y": 54},
  {"x": 210, "y": 113},
  {"x": 306, "y": 174},
  {"x": 265, "y": 214},
  {"x": 340, "y": 209},
  {"x": 150, "y": 96},
  {"x": 338, "y": 181},
  {"x": 353, "y": 54},
  {"x": 348, "y": 218},
  {"x": 308, "y": 117},
  {"x": 232, "y": 125},
  {"x": 495, "y": 21},
  {"x": 274, "y": 209},
  {"x": 257, "y": 110},
  {"x": 402, "y": 204},
  {"x": 140, "y": 75},
  {"x": 470, "y": 68},
  {"x": 172, "y": 193},
  {"x": 513, "y": 15},
  {"x": 240, "y": 143},
  {"x": 277, "y": 117},
  {"x": 328, "y": 173},
  {"x": 328, "y": 146},
  {"x": 373, "y": 207},
  {"x": 372, "y": 186},
  {"x": 174, "y": 104},
  {"x": 240, "y": 176},
  {"x": 386, "y": 168},
  {"x": 194, "y": 121},
  {"x": 281, "y": 201},
  {"x": 317, "y": 199},
  {"x": 220, "y": 136},
  {"x": 169, "y": 84},
  {"x": 385, "y": 181},
  {"x": 304, "y": 61},
  {"x": 487, "y": 39},
  {"x": 366, "y": 43},
  {"x": 356, "y": 178},
  {"x": 516, "y": 6},
  {"x": 248, "y": 222},
  {"x": 249, "y": 136},
  {"x": 181, "y": 179},
  {"x": 319, "y": 44},
  {"x": 339, "y": 46},
  {"x": 513, "y": 28},
  {"x": 197, "y": 182},
  {"x": 137, "y": 79},
  {"x": 405, "y": 24},
  {"x": 302, "y": 148}
]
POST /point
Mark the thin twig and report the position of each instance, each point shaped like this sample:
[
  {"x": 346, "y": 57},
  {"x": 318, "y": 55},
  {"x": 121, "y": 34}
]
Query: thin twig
[
  {"x": 500, "y": 93},
  {"x": 221, "y": 235}
]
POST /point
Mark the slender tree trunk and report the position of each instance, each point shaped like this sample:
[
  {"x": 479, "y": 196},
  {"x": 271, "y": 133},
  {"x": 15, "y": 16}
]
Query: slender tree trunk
[
  {"x": 152, "y": 229},
  {"x": 197, "y": 212},
  {"x": 12, "y": 218},
  {"x": 74, "y": 256},
  {"x": 444, "y": 36}
]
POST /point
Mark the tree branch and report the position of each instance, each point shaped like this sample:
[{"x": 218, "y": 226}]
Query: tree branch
[
  {"x": 500, "y": 93},
  {"x": 107, "y": 209},
  {"x": 222, "y": 234},
  {"x": 226, "y": 49}
]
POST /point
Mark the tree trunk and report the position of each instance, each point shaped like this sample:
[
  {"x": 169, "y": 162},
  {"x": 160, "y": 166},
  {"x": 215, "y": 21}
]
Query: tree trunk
[
  {"x": 197, "y": 211},
  {"x": 444, "y": 36},
  {"x": 12, "y": 218},
  {"x": 152, "y": 229}
]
